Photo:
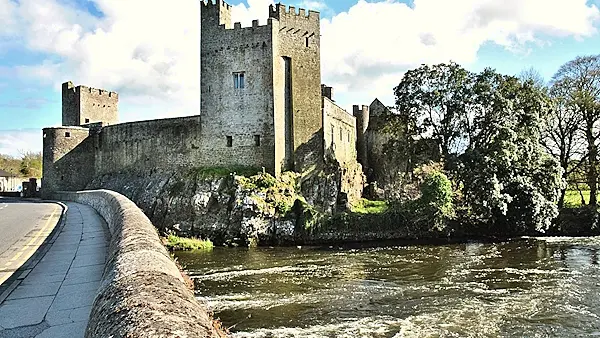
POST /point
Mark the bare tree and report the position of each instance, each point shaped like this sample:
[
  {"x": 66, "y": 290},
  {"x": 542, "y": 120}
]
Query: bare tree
[
  {"x": 533, "y": 75},
  {"x": 579, "y": 82},
  {"x": 562, "y": 135}
]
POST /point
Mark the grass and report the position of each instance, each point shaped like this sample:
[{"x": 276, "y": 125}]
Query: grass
[
  {"x": 366, "y": 206},
  {"x": 181, "y": 243},
  {"x": 573, "y": 199}
]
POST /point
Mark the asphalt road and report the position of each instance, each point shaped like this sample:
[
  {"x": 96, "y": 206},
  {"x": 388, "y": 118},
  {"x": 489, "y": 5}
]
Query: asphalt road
[{"x": 23, "y": 227}]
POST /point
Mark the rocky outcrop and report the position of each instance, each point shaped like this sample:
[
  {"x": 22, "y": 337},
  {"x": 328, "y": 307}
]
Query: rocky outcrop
[
  {"x": 232, "y": 209},
  {"x": 142, "y": 293}
]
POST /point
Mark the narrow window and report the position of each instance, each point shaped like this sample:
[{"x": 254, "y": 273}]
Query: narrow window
[
  {"x": 87, "y": 120},
  {"x": 307, "y": 42},
  {"x": 341, "y": 134},
  {"x": 62, "y": 178},
  {"x": 229, "y": 141},
  {"x": 238, "y": 80},
  {"x": 67, "y": 134},
  {"x": 257, "y": 140}
]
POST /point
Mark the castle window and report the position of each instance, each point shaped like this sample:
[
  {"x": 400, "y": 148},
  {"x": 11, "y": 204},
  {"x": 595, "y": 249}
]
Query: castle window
[
  {"x": 257, "y": 140},
  {"x": 87, "y": 120},
  {"x": 67, "y": 134},
  {"x": 229, "y": 141},
  {"x": 307, "y": 42},
  {"x": 238, "y": 80}
]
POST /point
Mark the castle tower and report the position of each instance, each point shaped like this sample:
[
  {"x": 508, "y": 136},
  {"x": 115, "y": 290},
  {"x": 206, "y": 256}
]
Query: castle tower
[
  {"x": 362, "y": 123},
  {"x": 298, "y": 75},
  {"x": 83, "y": 105},
  {"x": 68, "y": 159}
]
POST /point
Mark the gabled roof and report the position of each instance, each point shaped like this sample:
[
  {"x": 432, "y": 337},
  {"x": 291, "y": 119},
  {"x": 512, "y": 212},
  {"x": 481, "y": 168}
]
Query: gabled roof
[
  {"x": 377, "y": 108},
  {"x": 4, "y": 173}
]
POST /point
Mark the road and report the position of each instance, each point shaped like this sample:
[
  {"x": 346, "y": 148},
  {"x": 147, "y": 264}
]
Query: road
[{"x": 24, "y": 225}]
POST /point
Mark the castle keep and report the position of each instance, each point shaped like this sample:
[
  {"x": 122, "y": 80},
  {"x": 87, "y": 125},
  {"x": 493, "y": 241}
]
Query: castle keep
[{"x": 262, "y": 105}]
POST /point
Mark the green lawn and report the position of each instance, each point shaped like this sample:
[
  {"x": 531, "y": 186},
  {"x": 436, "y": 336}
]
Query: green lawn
[
  {"x": 573, "y": 199},
  {"x": 370, "y": 207}
]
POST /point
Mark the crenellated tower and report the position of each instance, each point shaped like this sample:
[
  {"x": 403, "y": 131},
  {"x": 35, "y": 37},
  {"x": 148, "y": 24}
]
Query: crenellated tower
[
  {"x": 261, "y": 88},
  {"x": 298, "y": 71},
  {"x": 83, "y": 105}
]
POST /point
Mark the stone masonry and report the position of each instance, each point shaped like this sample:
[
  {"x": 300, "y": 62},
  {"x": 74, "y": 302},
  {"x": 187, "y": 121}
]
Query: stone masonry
[{"x": 262, "y": 106}]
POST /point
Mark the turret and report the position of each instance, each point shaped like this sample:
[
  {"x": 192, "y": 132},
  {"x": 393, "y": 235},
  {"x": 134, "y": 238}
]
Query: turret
[
  {"x": 362, "y": 123},
  {"x": 213, "y": 15}
]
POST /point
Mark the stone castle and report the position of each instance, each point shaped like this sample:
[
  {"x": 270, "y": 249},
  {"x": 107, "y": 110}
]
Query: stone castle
[{"x": 262, "y": 106}]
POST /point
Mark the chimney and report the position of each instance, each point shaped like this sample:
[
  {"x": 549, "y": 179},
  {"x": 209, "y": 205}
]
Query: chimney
[{"x": 327, "y": 91}]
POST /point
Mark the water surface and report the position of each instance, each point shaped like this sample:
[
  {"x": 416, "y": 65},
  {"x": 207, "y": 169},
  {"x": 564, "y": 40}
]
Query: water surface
[{"x": 543, "y": 287}]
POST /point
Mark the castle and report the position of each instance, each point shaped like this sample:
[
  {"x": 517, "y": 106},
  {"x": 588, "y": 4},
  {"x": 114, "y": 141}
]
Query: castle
[{"x": 262, "y": 105}]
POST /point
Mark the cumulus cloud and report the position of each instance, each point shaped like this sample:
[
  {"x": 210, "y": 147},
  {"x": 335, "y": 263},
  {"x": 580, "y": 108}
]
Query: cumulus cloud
[
  {"x": 152, "y": 56},
  {"x": 19, "y": 141},
  {"x": 366, "y": 49}
]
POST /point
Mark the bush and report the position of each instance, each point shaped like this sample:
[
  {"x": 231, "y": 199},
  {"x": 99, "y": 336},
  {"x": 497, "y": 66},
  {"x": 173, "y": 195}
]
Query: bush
[
  {"x": 180, "y": 243},
  {"x": 436, "y": 194}
]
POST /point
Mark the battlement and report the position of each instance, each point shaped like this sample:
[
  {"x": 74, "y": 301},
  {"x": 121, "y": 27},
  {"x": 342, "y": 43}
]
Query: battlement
[
  {"x": 255, "y": 25},
  {"x": 218, "y": 3},
  {"x": 279, "y": 12},
  {"x": 69, "y": 87},
  {"x": 100, "y": 92}
]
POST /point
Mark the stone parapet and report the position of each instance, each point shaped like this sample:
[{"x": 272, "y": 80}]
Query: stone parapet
[{"x": 142, "y": 293}]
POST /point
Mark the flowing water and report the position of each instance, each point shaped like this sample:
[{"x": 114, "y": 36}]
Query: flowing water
[{"x": 535, "y": 287}]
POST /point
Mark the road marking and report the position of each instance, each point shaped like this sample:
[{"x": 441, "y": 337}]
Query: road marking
[{"x": 43, "y": 231}]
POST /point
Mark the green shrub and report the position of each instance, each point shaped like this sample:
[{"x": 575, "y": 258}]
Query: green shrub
[{"x": 436, "y": 194}]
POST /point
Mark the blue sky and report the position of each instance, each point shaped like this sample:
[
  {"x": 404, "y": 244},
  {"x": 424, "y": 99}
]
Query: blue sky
[{"x": 152, "y": 59}]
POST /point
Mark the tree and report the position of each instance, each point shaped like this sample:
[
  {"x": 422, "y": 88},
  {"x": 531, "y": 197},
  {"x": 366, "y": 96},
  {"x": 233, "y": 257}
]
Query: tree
[
  {"x": 579, "y": 81},
  {"x": 508, "y": 179},
  {"x": 436, "y": 98},
  {"x": 31, "y": 164},
  {"x": 562, "y": 134},
  {"x": 533, "y": 75}
]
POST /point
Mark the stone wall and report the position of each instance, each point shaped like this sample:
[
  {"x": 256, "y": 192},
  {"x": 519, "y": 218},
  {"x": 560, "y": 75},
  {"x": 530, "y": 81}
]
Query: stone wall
[
  {"x": 143, "y": 146},
  {"x": 339, "y": 130},
  {"x": 142, "y": 293}
]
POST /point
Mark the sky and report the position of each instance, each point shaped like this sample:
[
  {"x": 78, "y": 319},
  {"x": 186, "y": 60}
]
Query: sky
[{"x": 148, "y": 50}]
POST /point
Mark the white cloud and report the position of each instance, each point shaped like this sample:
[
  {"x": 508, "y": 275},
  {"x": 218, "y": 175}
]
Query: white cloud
[
  {"x": 366, "y": 49},
  {"x": 19, "y": 141},
  {"x": 152, "y": 56}
]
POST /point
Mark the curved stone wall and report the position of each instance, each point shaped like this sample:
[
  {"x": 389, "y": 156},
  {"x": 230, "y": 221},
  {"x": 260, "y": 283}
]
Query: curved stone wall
[{"x": 142, "y": 293}]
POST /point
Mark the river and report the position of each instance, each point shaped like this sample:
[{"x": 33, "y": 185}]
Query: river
[{"x": 532, "y": 287}]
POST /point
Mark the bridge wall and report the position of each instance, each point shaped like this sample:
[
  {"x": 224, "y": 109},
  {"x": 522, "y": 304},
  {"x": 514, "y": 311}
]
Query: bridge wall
[{"x": 142, "y": 294}]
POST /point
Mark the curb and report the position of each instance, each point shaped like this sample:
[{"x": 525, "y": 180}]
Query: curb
[{"x": 23, "y": 271}]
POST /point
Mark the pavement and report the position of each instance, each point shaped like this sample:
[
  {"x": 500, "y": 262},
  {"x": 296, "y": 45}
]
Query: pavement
[
  {"x": 24, "y": 225},
  {"x": 52, "y": 293}
]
